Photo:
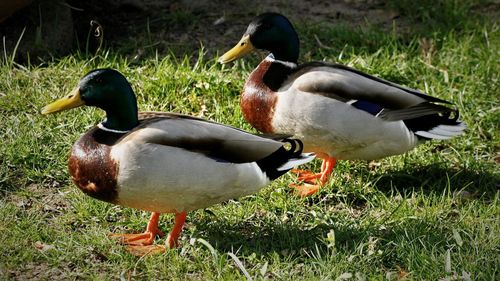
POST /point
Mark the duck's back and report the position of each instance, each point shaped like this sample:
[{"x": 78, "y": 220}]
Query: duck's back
[
  {"x": 182, "y": 165},
  {"x": 341, "y": 111}
]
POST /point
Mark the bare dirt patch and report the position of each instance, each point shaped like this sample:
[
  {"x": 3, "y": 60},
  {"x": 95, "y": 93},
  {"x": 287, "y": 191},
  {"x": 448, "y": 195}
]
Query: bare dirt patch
[
  {"x": 134, "y": 26},
  {"x": 183, "y": 26},
  {"x": 41, "y": 199}
]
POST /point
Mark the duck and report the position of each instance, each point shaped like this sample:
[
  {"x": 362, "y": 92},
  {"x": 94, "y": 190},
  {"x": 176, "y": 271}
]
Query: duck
[
  {"x": 163, "y": 162},
  {"x": 339, "y": 113}
]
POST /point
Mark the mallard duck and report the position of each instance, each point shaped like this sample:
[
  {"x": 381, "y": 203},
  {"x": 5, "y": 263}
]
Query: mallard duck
[
  {"x": 337, "y": 111},
  {"x": 165, "y": 162}
]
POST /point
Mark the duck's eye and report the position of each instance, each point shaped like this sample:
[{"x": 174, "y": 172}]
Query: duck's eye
[
  {"x": 98, "y": 80},
  {"x": 242, "y": 44}
]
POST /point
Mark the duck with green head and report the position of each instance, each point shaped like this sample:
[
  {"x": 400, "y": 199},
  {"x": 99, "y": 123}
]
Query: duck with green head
[
  {"x": 164, "y": 162},
  {"x": 338, "y": 112}
]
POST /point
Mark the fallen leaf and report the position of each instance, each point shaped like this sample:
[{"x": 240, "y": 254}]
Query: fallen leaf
[
  {"x": 43, "y": 247},
  {"x": 344, "y": 276}
]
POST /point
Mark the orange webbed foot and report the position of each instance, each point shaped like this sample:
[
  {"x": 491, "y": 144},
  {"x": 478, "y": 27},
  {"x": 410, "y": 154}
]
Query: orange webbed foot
[
  {"x": 313, "y": 181},
  {"x": 141, "y": 244},
  {"x": 147, "y": 250},
  {"x": 142, "y": 239},
  {"x": 307, "y": 176},
  {"x": 305, "y": 190}
]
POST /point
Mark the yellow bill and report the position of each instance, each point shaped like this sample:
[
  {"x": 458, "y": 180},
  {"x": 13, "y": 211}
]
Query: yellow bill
[
  {"x": 72, "y": 100},
  {"x": 242, "y": 48}
]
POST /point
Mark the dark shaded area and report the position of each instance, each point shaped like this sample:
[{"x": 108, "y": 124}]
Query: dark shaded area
[
  {"x": 140, "y": 28},
  {"x": 37, "y": 32},
  {"x": 283, "y": 238},
  {"x": 299, "y": 241},
  {"x": 437, "y": 177}
]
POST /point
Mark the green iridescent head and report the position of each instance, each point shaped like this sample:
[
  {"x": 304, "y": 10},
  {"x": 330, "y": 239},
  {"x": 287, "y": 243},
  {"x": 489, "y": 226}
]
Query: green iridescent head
[{"x": 106, "y": 89}]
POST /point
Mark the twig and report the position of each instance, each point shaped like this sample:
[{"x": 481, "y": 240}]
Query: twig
[{"x": 321, "y": 45}]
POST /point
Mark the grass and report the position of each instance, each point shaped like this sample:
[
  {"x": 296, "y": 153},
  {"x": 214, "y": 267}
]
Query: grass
[{"x": 431, "y": 214}]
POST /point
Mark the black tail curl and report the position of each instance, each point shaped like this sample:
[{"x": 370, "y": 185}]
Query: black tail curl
[
  {"x": 290, "y": 153},
  {"x": 296, "y": 146}
]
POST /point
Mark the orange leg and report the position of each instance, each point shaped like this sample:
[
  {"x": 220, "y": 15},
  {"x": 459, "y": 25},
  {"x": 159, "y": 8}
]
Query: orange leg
[
  {"x": 145, "y": 238},
  {"x": 144, "y": 249},
  {"x": 327, "y": 169},
  {"x": 173, "y": 236},
  {"x": 312, "y": 182}
]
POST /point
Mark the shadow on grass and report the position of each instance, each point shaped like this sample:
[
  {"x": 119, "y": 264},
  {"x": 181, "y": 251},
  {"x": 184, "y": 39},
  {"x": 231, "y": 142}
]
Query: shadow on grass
[
  {"x": 283, "y": 239},
  {"x": 297, "y": 242},
  {"x": 436, "y": 178}
]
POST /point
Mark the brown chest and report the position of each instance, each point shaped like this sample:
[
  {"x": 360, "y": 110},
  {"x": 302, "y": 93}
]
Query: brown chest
[
  {"x": 258, "y": 100},
  {"x": 258, "y": 109},
  {"x": 91, "y": 167}
]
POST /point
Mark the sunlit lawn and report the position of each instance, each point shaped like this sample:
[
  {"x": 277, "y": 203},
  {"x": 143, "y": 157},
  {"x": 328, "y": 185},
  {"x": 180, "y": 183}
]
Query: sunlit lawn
[{"x": 429, "y": 214}]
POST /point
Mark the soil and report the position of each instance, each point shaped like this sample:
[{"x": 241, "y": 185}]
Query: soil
[
  {"x": 138, "y": 27},
  {"x": 54, "y": 28},
  {"x": 185, "y": 25}
]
